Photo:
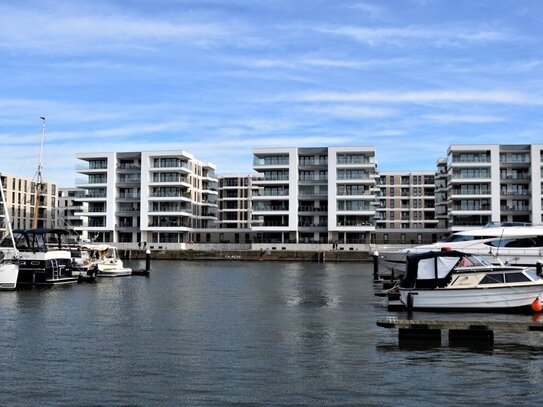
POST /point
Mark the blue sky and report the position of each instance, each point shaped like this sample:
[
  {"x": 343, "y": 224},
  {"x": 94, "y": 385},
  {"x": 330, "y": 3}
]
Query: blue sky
[{"x": 219, "y": 77}]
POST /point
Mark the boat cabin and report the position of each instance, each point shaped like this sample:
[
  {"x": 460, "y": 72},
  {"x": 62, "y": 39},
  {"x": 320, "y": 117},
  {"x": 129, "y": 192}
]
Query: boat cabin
[
  {"x": 457, "y": 269},
  {"x": 37, "y": 240}
]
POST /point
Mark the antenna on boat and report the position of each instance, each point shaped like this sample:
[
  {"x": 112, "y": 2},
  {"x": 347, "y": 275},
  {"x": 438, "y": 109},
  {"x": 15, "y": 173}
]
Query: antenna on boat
[{"x": 39, "y": 177}]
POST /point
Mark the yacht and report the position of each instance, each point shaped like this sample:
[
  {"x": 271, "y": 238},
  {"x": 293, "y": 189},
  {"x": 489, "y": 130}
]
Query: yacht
[
  {"x": 510, "y": 243},
  {"x": 43, "y": 258},
  {"x": 453, "y": 280}
]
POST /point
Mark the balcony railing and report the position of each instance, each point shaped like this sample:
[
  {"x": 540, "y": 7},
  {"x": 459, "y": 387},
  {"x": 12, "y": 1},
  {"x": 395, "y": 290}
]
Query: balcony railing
[
  {"x": 515, "y": 176},
  {"x": 268, "y": 193},
  {"x": 270, "y": 161},
  {"x": 355, "y": 160}
]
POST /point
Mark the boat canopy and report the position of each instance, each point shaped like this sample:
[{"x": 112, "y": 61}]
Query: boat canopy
[
  {"x": 430, "y": 269},
  {"x": 36, "y": 240}
]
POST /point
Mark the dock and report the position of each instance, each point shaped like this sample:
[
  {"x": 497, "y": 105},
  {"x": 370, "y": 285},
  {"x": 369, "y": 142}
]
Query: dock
[{"x": 460, "y": 331}]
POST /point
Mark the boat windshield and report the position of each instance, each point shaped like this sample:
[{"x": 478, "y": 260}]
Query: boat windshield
[
  {"x": 532, "y": 275},
  {"x": 479, "y": 261}
]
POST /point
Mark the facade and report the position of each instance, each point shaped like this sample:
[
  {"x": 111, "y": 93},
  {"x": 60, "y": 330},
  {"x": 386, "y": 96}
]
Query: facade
[
  {"x": 441, "y": 196},
  {"x": 20, "y": 195},
  {"x": 314, "y": 195},
  {"x": 493, "y": 183},
  {"x": 406, "y": 210},
  {"x": 162, "y": 198},
  {"x": 235, "y": 208},
  {"x": 71, "y": 203}
]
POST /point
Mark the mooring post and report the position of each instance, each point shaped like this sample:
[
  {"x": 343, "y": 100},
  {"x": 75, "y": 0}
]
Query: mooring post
[
  {"x": 375, "y": 256},
  {"x": 539, "y": 267},
  {"x": 148, "y": 260}
]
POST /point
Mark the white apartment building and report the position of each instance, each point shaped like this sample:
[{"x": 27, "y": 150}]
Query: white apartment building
[
  {"x": 20, "y": 195},
  {"x": 314, "y": 195},
  {"x": 405, "y": 212},
  {"x": 160, "y": 198},
  {"x": 235, "y": 208},
  {"x": 494, "y": 183}
]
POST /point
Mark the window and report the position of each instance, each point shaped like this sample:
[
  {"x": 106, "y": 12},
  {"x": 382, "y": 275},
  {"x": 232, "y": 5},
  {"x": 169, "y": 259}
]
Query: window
[
  {"x": 516, "y": 278},
  {"x": 492, "y": 279}
]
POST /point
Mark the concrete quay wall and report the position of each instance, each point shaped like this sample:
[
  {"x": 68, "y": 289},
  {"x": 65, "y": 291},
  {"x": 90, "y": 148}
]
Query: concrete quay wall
[{"x": 251, "y": 255}]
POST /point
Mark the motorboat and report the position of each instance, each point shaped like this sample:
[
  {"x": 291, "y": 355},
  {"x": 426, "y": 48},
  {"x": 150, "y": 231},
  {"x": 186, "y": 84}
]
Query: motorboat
[
  {"x": 43, "y": 258},
  {"x": 104, "y": 259},
  {"x": 9, "y": 263},
  {"x": 453, "y": 280},
  {"x": 499, "y": 243}
]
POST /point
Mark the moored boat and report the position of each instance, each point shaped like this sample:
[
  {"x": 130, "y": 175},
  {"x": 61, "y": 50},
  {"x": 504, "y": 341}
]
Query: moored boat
[
  {"x": 511, "y": 243},
  {"x": 105, "y": 260},
  {"x": 43, "y": 259},
  {"x": 453, "y": 280}
]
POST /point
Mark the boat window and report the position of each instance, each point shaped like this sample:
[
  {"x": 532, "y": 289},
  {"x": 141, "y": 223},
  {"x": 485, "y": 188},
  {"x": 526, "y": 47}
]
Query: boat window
[
  {"x": 492, "y": 279},
  {"x": 515, "y": 278},
  {"x": 532, "y": 275},
  {"x": 457, "y": 238},
  {"x": 6, "y": 242},
  {"x": 523, "y": 242},
  {"x": 20, "y": 241}
]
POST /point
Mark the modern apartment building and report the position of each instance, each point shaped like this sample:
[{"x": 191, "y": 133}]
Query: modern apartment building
[
  {"x": 235, "y": 208},
  {"x": 71, "y": 203},
  {"x": 314, "y": 195},
  {"x": 155, "y": 197},
  {"x": 405, "y": 211},
  {"x": 20, "y": 195},
  {"x": 493, "y": 183}
]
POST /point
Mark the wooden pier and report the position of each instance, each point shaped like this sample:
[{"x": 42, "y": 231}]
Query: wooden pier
[{"x": 460, "y": 331}]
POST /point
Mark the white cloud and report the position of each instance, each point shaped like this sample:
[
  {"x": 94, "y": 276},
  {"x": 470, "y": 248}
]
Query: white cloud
[
  {"x": 398, "y": 36},
  {"x": 353, "y": 111},
  {"x": 76, "y": 31},
  {"x": 431, "y": 96},
  {"x": 464, "y": 118}
]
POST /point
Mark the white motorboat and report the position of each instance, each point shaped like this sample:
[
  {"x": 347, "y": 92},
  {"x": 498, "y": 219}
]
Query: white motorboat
[
  {"x": 519, "y": 245},
  {"x": 9, "y": 264},
  {"x": 105, "y": 260},
  {"x": 453, "y": 280},
  {"x": 43, "y": 257}
]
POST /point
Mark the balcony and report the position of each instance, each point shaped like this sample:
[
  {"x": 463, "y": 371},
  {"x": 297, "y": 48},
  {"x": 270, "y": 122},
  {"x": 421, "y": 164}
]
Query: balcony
[
  {"x": 355, "y": 160},
  {"x": 170, "y": 164},
  {"x": 102, "y": 165},
  {"x": 129, "y": 167},
  {"x": 270, "y": 161}
]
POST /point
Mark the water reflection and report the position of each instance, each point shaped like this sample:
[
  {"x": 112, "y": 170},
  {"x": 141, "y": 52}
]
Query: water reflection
[{"x": 215, "y": 333}]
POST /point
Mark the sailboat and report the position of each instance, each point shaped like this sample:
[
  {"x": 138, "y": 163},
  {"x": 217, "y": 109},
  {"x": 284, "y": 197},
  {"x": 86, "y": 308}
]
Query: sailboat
[
  {"x": 44, "y": 257},
  {"x": 9, "y": 264}
]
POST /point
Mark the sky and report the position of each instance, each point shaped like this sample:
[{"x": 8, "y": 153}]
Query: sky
[{"x": 217, "y": 78}]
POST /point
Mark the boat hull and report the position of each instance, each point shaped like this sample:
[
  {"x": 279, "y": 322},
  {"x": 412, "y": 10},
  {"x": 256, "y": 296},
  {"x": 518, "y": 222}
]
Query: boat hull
[
  {"x": 8, "y": 276},
  {"x": 499, "y": 298},
  {"x": 109, "y": 271}
]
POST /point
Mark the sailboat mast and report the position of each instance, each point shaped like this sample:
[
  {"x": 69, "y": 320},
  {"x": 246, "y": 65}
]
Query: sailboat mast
[
  {"x": 39, "y": 178},
  {"x": 6, "y": 213}
]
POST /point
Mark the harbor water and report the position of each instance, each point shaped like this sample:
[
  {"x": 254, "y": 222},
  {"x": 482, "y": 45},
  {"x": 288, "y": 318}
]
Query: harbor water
[{"x": 244, "y": 333}]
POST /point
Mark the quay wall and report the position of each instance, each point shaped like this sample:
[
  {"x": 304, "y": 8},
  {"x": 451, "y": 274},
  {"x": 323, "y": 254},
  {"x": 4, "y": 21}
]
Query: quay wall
[{"x": 250, "y": 255}]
